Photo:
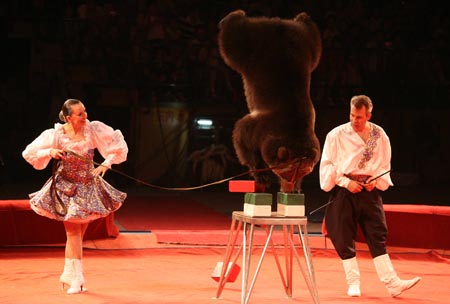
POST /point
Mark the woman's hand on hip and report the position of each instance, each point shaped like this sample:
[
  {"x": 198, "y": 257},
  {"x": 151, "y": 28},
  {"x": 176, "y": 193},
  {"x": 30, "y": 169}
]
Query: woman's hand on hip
[{"x": 100, "y": 170}]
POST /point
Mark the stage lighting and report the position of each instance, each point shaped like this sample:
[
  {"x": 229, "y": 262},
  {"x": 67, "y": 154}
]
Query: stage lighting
[{"x": 204, "y": 124}]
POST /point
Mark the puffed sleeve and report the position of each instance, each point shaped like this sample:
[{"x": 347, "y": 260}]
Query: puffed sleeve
[
  {"x": 330, "y": 172},
  {"x": 37, "y": 153},
  {"x": 110, "y": 143},
  {"x": 327, "y": 168},
  {"x": 384, "y": 182}
]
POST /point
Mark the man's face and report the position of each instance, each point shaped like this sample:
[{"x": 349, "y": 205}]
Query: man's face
[{"x": 358, "y": 118}]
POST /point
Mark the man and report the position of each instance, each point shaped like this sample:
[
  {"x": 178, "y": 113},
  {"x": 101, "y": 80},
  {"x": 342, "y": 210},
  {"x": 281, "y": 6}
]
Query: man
[{"x": 355, "y": 167}]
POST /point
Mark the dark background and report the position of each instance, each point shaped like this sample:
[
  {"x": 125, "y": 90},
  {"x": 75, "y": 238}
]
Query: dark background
[{"x": 125, "y": 58}]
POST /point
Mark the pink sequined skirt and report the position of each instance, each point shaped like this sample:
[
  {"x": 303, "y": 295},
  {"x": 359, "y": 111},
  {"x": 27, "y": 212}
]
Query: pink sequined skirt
[{"x": 73, "y": 194}]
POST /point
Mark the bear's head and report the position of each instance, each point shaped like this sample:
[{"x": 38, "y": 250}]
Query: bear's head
[{"x": 290, "y": 157}]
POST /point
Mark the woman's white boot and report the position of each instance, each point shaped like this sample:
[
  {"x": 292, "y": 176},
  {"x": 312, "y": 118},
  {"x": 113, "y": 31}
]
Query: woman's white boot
[
  {"x": 68, "y": 274},
  {"x": 389, "y": 277},
  {"x": 77, "y": 283}
]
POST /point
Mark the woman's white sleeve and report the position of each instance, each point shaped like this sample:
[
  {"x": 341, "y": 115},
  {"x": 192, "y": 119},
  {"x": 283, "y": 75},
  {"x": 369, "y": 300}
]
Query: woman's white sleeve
[
  {"x": 110, "y": 143},
  {"x": 37, "y": 153}
]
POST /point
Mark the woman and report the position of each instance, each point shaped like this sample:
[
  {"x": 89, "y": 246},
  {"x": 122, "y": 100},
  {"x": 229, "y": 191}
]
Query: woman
[{"x": 76, "y": 194}]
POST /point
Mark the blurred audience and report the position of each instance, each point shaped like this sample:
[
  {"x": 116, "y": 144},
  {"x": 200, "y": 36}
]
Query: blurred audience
[{"x": 166, "y": 50}]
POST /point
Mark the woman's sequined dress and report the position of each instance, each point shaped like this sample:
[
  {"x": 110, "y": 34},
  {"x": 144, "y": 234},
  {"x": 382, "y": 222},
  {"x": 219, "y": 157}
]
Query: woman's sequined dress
[{"x": 73, "y": 193}]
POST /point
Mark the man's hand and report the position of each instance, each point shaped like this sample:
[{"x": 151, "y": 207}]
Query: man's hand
[
  {"x": 370, "y": 185},
  {"x": 354, "y": 186}
]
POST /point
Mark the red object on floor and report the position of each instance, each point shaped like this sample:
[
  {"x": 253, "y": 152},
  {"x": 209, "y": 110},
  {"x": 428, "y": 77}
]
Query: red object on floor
[
  {"x": 233, "y": 269},
  {"x": 22, "y": 226}
]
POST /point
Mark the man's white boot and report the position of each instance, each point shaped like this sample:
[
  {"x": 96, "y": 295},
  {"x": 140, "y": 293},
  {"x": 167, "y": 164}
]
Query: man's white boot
[
  {"x": 352, "y": 275},
  {"x": 389, "y": 277}
]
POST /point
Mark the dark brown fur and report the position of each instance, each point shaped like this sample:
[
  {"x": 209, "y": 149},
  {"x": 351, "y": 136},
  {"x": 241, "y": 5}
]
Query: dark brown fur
[{"x": 275, "y": 58}]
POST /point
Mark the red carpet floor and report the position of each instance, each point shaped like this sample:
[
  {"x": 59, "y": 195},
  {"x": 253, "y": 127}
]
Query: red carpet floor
[
  {"x": 182, "y": 275},
  {"x": 167, "y": 212},
  {"x": 174, "y": 270},
  {"x": 174, "y": 219}
]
